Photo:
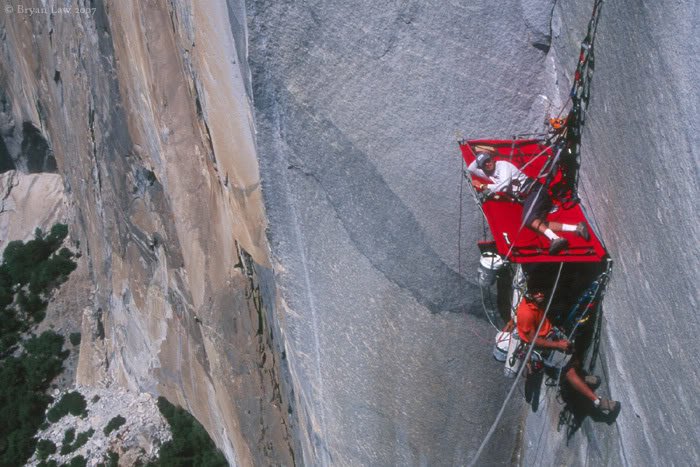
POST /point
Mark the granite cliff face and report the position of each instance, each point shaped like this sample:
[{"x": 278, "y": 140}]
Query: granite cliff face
[
  {"x": 269, "y": 197},
  {"x": 640, "y": 180},
  {"x": 144, "y": 107},
  {"x": 357, "y": 107}
]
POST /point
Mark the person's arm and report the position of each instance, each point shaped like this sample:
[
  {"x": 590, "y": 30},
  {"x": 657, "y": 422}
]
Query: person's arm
[
  {"x": 542, "y": 343},
  {"x": 502, "y": 176},
  {"x": 473, "y": 169},
  {"x": 478, "y": 185}
]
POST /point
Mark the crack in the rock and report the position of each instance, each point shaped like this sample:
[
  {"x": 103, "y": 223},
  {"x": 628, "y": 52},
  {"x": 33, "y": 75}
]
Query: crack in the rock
[{"x": 13, "y": 182}]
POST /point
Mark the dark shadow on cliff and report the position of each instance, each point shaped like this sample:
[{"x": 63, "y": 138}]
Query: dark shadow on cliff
[
  {"x": 6, "y": 162},
  {"x": 576, "y": 409},
  {"x": 533, "y": 385},
  {"x": 378, "y": 223},
  {"x": 36, "y": 150}
]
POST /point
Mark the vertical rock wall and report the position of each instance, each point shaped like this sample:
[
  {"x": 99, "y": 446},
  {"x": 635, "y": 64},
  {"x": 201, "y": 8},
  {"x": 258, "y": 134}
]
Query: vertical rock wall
[
  {"x": 358, "y": 106},
  {"x": 146, "y": 109},
  {"x": 361, "y": 339},
  {"x": 640, "y": 180}
]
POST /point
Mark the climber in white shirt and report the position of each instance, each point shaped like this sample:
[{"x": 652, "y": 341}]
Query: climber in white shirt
[
  {"x": 506, "y": 177},
  {"x": 503, "y": 175}
]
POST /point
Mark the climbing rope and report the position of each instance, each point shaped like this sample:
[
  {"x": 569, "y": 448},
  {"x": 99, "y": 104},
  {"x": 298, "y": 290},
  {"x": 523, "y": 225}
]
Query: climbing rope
[
  {"x": 483, "y": 305},
  {"x": 520, "y": 372},
  {"x": 459, "y": 251},
  {"x": 597, "y": 326},
  {"x": 580, "y": 320},
  {"x": 600, "y": 286}
]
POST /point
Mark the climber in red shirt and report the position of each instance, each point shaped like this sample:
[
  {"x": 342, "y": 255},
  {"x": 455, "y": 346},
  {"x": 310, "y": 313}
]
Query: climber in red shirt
[{"x": 529, "y": 315}]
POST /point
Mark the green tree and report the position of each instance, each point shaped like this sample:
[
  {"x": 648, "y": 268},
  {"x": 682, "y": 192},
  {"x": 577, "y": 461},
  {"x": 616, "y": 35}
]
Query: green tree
[
  {"x": 68, "y": 438},
  {"x": 36, "y": 268},
  {"x": 78, "y": 461},
  {"x": 44, "y": 448},
  {"x": 23, "y": 382},
  {"x": 74, "y": 339},
  {"x": 114, "y": 424},
  {"x": 191, "y": 444},
  {"x": 71, "y": 402},
  {"x": 51, "y": 272}
]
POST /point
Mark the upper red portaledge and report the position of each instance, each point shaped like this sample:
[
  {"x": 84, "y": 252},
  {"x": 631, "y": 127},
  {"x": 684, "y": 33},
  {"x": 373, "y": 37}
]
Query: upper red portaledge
[{"x": 504, "y": 216}]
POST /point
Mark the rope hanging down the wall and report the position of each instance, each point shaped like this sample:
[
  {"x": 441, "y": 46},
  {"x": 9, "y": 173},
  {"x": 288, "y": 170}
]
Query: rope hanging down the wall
[{"x": 530, "y": 348}]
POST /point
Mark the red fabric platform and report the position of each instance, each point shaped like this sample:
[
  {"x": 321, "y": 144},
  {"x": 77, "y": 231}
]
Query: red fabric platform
[{"x": 522, "y": 245}]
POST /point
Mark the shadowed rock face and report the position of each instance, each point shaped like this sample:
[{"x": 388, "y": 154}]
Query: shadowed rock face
[
  {"x": 22, "y": 147},
  {"x": 36, "y": 153}
]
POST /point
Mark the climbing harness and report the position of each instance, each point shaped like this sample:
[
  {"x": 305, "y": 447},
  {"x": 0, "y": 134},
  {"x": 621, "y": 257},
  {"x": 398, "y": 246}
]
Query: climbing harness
[{"x": 520, "y": 372}]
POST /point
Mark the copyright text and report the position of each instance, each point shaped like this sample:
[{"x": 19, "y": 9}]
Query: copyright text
[{"x": 53, "y": 10}]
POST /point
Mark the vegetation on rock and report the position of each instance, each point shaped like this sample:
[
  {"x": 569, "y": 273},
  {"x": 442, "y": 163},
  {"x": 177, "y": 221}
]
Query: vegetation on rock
[
  {"x": 68, "y": 438},
  {"x": 114, "y": 424},
  {"x": 23, "y": 382},
  {"x": 191, "y": 444},
  {"x": 44, "y": 448},
  {"x": 28, "y": 274},
  {"x": 110, "y": 460},
  {"x": 69, "y": 446},
  {"x": 78, "y": 461},
  {"x": 50, "y": 463},
  {"x": 71, "y": 402},
  {"x": 74, "y": 338}
]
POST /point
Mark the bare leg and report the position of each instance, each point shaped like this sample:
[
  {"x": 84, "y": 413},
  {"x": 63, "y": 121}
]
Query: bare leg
[
  {"x": 578, "y": 384},
  {"x": 555, "y": 226},
  {"x": 539, "y": 226}
]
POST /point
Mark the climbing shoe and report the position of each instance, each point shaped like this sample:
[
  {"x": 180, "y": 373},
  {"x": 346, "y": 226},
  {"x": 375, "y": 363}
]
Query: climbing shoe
[
  {"x": 606, "y": 406},
  {"x": 558, "y": 245},
  {"x": 592, "y": 381},
  {"x": 582, "y": 231}
]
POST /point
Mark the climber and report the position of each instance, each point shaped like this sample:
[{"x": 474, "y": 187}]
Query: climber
[
  {"x": 529, "y": 315},
  {"x": 506, "y": 177}
]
